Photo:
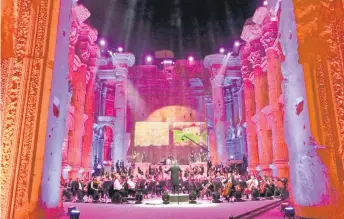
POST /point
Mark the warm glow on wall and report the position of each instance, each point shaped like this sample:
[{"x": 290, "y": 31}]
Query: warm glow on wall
[{"x": 174, "y": 114}]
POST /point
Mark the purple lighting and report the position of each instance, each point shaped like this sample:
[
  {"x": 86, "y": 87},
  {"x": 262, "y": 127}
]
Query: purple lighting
[
  {"x": 102, "y": 42},
  {"x": 120, "y": 49},
  {"x": 191, "y": 58},
  {"x": 237, "y": 43},
  {"x": 222, "y": 50},
  {"x": 265, "y": 3},
  {"x": 149, "y": 58}
]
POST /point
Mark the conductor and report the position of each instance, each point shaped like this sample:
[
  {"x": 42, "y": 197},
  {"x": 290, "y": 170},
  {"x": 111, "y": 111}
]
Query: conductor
[{"x": 175, "y": 169}]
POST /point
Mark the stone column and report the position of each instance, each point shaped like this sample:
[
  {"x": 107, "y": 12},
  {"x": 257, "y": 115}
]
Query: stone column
[
  {"x": 262, "y": 100},
  {"x": 219, "y": 117},
  {"x": 89, "y": 111},
  {"x": 250, "y": 110},
  {"x": 210, "y": 129},
  {"x": 253, "y": 155},
  {"x": 272, "y": 49},
  {"x": 121, "y": 61},
  {"x": 218, "y": 64}
]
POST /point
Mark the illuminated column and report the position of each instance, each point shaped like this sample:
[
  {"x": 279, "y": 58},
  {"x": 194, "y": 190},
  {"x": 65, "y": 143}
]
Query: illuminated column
[
  {"x": 121, "y": 61},
  {"x": 250, "y": 107},
  {"x": 78, "y": 101},
  {"x": 211, "y": 141},
  {"x": 73, "y": 38},
  {"x": 89, "y": 111},
  {"x": 262, "y": 100},
  {"x": 272, "y": 48}
]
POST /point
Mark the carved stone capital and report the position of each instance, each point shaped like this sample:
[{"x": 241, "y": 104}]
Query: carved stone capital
[
  {"x": 220, "y": 60},
  {"x": 257, "y": 53},
  {"x": 76, "y": 63},
  {"x": 74, "y": 33},
  {"x": 83, "y": 50},
  {"x": 269, "y": 35},
  {"x": 124, "y": 60},
  {"x": 121, "y": 73}
]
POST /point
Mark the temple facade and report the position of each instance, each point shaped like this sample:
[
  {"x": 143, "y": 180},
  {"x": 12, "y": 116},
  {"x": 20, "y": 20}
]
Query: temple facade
[
  {"x": 173, "y": 91},
  {"x": 280, "y": 101}
]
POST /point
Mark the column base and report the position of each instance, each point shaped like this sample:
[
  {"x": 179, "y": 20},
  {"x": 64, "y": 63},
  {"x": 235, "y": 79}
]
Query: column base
[
  {"x": 266, "y": 170},
  {"x": 282, "y": 168},
  {"x": 74, "y": 173},
  {"x": 252, "y": 169}
]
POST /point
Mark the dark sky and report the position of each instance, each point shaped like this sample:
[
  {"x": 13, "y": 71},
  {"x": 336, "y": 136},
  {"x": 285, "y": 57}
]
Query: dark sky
[{"x": 145, "y": 26}]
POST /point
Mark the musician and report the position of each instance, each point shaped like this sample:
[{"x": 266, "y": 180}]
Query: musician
[
  {"x": 117, "y": 166},
  {"x": 253, "y": 184},
  {"x": 131, "y": 186},
  {"x": 229, "y": 186},
  {"x": 93, "y": 189},
  {"x": 75, "y": 187},
  {"x": 118, "y": 192},
  {"x": 175, "y": 170}
]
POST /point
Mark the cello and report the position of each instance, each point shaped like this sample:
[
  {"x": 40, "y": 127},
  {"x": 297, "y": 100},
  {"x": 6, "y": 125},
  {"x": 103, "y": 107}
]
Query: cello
[{"x": 227, "y": 190}]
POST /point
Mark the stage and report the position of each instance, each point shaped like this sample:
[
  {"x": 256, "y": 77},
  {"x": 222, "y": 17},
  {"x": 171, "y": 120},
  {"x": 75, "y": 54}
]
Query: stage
[{"x": 154, "y": 209}]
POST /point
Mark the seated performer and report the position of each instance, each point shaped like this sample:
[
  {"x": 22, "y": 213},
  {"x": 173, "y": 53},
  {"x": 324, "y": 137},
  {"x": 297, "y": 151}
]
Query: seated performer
[
  {"x": 118, "y": 189},
  {"x": 252, "y": 184},
  {"x": 131, "y": 186}
]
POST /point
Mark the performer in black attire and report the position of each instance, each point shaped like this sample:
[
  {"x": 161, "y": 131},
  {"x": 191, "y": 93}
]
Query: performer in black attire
[{"x": 175, "y": 170}]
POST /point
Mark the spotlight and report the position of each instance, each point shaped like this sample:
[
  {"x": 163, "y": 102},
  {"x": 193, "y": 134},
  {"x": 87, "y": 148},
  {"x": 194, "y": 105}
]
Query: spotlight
[
  {"x": 120, "y": 49},
  {"x": 166, "y": 198},
  {"x": 284, "y": 205},
  {"x": 222, "y": 50},
  {"x": 289, "y": 212},
  {"x": 237, "y": 44},
  {"x": 192, "y": 197},
  {"x": 149, "y": 58},
  {"x": 139, "y": 198},
  {"x": 70, "y": 209},
  {"x": 265, "y": 3},
  {"x": 102, "y": 42},
  {"x": 74, "y": 214},
  {"x": 191, "y": 58},
  {"x": 216, "y": 197},
  {"x": 229, "y": 54}
]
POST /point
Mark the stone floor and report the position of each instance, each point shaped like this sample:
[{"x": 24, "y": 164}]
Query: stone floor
[{"x": 154, "y": 209}]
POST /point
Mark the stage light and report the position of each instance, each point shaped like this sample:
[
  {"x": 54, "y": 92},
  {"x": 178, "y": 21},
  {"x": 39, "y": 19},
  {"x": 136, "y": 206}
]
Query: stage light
[
  {"x": 237, "y": 44},
  {"x": 149, "y": 58},
  {"x": 229, "y": 54},
  {"x": 265, "y": 3},
  {"x": 284, "y": 205},
  {"x": 191, "y": 58},
  {"x": 216, "y": 197},
  {"x": 139, "y": 198},
  {"x": 289, "y": 212},
  {"x": 222, "y": 50},
  {"x": 70, "y": 209},
  {"x": 166, "y": 198},
  {"x": 102, "y": 42},
  {"x": 120, "y": 49},
  {"x": 74, "y": 214},
  {"x": 192, "y": 197}
]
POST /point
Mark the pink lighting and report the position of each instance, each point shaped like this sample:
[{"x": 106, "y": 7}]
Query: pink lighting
[
  {"x": 149, "y": 58},
  {"x": 102, "y": 42},
  {"x": 237, "y": 43},
  {"x": 191, "y": 58},
  {"x": 120, "y": 49},
  {"x": 265, "y": 3},
  {"x": 222, "y": 50}
]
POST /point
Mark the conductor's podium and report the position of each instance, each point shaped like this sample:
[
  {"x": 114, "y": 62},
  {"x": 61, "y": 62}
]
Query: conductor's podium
[{"x": 179, "y": 198}]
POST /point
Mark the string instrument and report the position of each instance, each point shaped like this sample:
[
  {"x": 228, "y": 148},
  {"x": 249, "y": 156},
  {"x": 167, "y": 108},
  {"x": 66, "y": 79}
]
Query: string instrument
[
  {"x": 228, "y": 188},
  {"x": 262, "y": 187},
  {"x": 205, "y": 189}
]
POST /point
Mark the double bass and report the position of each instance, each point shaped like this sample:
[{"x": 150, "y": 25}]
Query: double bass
[{"x": 227, "y": 190}]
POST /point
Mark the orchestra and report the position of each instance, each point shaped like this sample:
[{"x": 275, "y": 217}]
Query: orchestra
[{"x": 120, "y": 186}]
